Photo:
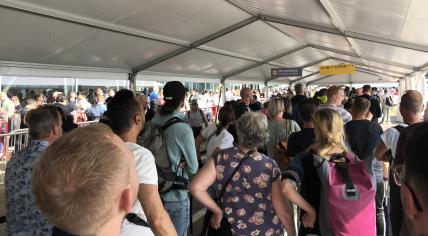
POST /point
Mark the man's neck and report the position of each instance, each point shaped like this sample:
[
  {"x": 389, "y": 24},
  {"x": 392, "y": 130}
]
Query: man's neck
[
  {"x": 111, "y": 228},
  {"x": 130, "y": 136},
  {"x": 412, "y": 119},
  {"x": 358, "y": 117},
  {"x": 308, "y": 125},
  {"x": 49, "y": 139},
  {"x": 331, "y": 103}
]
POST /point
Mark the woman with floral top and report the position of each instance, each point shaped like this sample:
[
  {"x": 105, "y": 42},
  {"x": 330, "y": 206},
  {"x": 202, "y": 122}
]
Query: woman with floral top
[{"x": 252, "y": 202}]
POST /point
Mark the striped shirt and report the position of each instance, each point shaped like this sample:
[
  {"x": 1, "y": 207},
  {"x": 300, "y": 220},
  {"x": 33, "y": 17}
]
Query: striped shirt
[{"x": 346, "y": 116}]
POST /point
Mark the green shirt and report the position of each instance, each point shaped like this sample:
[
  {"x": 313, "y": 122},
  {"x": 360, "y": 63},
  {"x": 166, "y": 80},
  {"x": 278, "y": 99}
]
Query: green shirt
[
  {"x": 279, "y": 130},
  {"x": 180, "y": 145}
]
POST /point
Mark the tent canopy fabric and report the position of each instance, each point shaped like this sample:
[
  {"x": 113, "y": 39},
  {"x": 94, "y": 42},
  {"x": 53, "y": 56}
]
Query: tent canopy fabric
[{"x": 236, "y": 40}]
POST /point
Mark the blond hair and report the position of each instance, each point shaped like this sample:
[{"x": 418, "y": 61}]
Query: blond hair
[
  {"x": 329, "y": 133},
  {"x": 333, "y": 90},
  {"x": 275, "y": 106},
  {"x": 78, "y": 179}
]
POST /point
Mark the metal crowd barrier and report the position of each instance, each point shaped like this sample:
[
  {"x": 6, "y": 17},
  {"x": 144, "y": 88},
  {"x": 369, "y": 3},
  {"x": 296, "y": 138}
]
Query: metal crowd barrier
[
  {"x": 11, "y": 142},
  {"x": 86, "y": 123}
]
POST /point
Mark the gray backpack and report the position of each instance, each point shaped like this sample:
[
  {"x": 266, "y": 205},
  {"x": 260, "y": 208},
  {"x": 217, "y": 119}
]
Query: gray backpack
[{"x": 152, "y": 137}]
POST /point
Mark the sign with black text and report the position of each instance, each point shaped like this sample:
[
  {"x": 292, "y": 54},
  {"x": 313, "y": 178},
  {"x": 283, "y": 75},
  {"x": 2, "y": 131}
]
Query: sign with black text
[
  {"x": 285, "y": 72},
  {"x": 337, "y": 69}
]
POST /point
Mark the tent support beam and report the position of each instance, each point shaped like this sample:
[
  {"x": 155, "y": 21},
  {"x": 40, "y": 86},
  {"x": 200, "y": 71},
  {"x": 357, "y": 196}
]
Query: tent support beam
[
  {"x": 235, "y": 55},
  {"x": 316, "y": 62},
  {"x": 79, "y": 20},
  {"x": 330, "y": 30},
  {"x": 420, "y": 68},
  {"x": 306, "y": 76},
  {"x": 368, "y": 72},
  {"x": 423, "y": 66},
  {"x": 365, "y": 70},
  {"x": 323, "y": 48},
  {"x": 239, "y": 71},
  {"x": 132, "y": 77},
  {"x": 196, "y": 44},
  {"x": 338, "y": 23},
  {"x": 324, "y": 77},
  {"x": 362, "y": 64}
]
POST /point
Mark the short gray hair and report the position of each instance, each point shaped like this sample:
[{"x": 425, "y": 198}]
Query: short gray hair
[
  {"x": 42, "y": 120},
  {"x": 252, "y": 130}
]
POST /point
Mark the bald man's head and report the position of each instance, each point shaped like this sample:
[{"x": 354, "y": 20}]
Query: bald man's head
[{"x": 412, "y": 102}]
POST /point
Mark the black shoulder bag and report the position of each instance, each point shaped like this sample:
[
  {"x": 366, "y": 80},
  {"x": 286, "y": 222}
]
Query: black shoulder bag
[{"x": 224, "y": 229}]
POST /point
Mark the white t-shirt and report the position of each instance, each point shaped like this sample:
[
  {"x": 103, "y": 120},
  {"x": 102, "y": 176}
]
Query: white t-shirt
[
  {"x": 130, "y": 229},
  {"x": 223, "y": 140},
  {"x": 195, "y": 118},
  {"x": 390, "y": 139},
  {"x": 229, "y": 96},
  {"x": 147, "y": 174}
]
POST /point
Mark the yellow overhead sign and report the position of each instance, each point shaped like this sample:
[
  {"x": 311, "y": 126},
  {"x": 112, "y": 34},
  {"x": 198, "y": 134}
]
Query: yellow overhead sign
[{"x": 337, "y": 69}]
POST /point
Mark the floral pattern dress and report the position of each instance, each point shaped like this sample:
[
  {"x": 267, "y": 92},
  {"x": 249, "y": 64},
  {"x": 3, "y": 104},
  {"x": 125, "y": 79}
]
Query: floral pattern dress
[{"x": 247, "y": 203}]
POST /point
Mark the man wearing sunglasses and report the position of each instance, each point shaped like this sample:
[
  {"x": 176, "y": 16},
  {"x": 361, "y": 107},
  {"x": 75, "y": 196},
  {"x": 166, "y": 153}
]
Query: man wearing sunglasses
[
  {"x": 412, "y": 177},
  {"x": 411, "y": 106}
]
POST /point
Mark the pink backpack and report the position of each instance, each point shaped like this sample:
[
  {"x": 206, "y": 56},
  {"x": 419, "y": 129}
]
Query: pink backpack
[{"x": 347, "y": 205}]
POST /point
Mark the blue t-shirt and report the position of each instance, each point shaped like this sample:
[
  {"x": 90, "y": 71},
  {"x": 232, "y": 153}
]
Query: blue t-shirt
[{"x": 154, "y": 96}]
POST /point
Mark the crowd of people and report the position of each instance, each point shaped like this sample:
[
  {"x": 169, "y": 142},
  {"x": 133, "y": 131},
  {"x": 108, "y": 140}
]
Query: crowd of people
[
  {"x": 132, "y": 173},
  {"x": 75, "y": 107}
]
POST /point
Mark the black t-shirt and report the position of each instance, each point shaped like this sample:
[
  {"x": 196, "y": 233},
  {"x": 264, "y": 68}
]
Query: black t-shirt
[
  {"x": 296, "y": 99},
  {"x": 295, "y": 107},
  {"x": 300, "y": 141},
  {"x": 310, "y": 191},
  {"x": 257, "y": 106},
  {"x": 396, "y": 206},
  {"x": 239, "y": 109},
  {"x": 58, "y": 232},
  {"x": 363, "y": 137},
  {"x": 375, "y": 108}
]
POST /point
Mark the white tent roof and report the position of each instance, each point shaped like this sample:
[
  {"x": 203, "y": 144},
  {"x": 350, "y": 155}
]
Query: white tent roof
[{"x": 237, "y": 40}]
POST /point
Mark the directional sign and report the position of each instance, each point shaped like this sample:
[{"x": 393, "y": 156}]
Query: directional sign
[
  {"x": 285, "y": 72},
  {"x": 337, "y": 69}
]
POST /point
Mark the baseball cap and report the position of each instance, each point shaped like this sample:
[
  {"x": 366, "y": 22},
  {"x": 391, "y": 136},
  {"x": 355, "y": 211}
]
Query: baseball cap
[{"x": 174, "y": 90}]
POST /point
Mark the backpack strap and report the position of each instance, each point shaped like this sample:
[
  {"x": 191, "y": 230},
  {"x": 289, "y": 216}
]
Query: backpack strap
[
  {"x": 231, "y": 176},
  {"x": 287, "y": 127},
  {"x": 204, "y": 119},
  {"x": 136, "y": 220},
  {"x": 399, "y": 128},
  {"x": 341, "y": 161},
  {"x": 170, "y": 122},
  {"x": 350, "y": 190}
]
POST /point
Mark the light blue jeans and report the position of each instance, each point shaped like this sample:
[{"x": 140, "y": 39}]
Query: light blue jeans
[{"x": 179, "y": 213}]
